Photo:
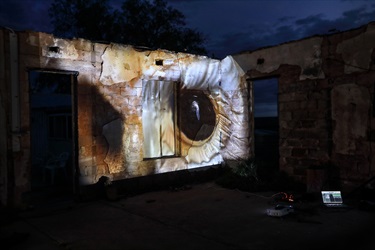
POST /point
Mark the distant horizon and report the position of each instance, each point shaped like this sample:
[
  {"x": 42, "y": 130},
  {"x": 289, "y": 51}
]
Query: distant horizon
[{"x": 265, "y": 110}]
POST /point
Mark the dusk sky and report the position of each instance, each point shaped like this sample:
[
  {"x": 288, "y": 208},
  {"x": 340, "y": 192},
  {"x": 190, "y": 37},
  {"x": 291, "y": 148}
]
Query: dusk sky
[{"x": 230, "y": 26}]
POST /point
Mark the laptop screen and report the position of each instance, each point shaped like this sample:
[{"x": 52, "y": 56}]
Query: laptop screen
[{"x": 331, "y": 197}]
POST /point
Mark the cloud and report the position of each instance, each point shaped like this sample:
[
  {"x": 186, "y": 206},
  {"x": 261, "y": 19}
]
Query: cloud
[
  {"x": 286, "y": 19},
  {"x": 314, "y": 25},
  {"x": 288, "y": 29}
]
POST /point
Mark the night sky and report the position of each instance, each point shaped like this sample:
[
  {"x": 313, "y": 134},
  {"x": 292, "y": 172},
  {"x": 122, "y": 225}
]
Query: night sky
[{"x": 230, "y": 26}]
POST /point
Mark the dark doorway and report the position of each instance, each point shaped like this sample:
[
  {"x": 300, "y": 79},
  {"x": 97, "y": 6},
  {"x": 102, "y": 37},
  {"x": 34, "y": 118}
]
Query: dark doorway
[
  {"x": 52, "y": 133},
  {"x": 266, "y": 124}
]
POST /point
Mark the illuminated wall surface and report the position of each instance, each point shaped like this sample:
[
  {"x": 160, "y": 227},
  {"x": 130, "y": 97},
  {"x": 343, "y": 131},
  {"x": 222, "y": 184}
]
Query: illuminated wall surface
[
  {"x": 141, "y": 112},
  {"x": 173, "y": 111}
]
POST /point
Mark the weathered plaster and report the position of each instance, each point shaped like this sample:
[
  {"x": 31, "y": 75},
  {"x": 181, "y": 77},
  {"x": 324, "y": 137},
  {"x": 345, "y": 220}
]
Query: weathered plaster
[
  {"x": 64, "y": 49},
  {"x": 306, "y": 54},
  {"x": 358, "y": 58}
]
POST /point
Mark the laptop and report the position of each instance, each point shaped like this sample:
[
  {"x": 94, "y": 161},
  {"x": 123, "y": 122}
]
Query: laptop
[{"x": 332, "y": 199}]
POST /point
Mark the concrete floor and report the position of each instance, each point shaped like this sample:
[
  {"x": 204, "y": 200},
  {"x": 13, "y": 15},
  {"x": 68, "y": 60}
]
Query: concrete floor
[{"x": 201, "y": 216}]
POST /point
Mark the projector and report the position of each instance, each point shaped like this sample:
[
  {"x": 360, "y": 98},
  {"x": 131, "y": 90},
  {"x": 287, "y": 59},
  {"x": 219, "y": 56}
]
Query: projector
[{"x": 280, "y": 210}]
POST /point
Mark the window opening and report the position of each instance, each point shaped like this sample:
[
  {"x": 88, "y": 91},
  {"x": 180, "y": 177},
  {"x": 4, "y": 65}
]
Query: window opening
[
  {"x": 159, "y": 119},
  {"x": 60, "y": 126}
]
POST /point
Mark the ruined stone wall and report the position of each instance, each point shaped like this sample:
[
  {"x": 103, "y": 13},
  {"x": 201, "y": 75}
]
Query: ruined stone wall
[
  {"x": 326, "y": 102},
  {"x": 39, "y": 51},
  {"x": 107, "y": 106}
]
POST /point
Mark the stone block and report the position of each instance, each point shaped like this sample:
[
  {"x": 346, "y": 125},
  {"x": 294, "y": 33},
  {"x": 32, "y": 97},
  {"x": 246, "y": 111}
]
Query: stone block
[
  {"x": 310, "y": 104},
  {"x": 294, "y": 96},
  {"x": 307, "y": 123},
  {"x": 299, "y": 152},
  {"x": 285, "y": 116},
  {"x": 309, "y": 143},
  {"x": 318, "y": 154},
  {"x": 128, "y": 91},
  {"x": 289, "y": 106},
  {"x": 83, "y": 44},
  {"x": 45, "y": 39},
  {"x": 100, "y": 47},
  {"x": 84, "y": 56},
  {"x": 134, "y": 101},
  {"x": 285, "y": 151},
  {"x": 294, "y": 142},
  {"x": 29, "y": 45}
]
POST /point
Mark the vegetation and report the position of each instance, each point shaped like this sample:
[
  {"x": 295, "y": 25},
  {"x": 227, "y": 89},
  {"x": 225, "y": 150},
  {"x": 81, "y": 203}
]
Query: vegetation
[
  {"x": 138, "y": 22},
  {"x": 254, "y": 175}
]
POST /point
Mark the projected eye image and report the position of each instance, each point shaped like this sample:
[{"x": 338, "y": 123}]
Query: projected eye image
[
  {"x": 197, "y": 115},
  {"x": 176, "y": 116}
]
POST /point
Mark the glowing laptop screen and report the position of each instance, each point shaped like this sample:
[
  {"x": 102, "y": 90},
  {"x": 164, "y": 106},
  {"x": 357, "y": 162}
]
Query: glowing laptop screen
[{"x": 331, "y": 197}]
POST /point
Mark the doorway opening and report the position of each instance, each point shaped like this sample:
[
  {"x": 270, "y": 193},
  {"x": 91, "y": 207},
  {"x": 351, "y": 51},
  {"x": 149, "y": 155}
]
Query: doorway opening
[
  {"x": 52, "y": 134},
  {"x": 266, "y": 125}
]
